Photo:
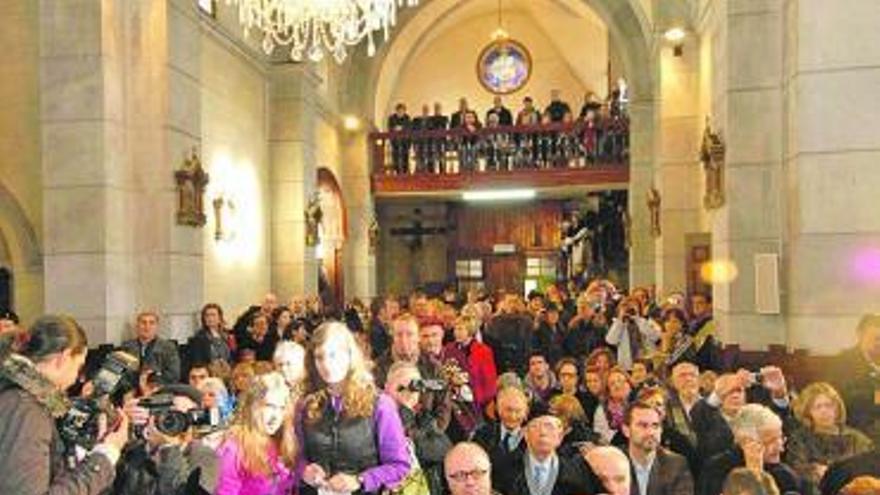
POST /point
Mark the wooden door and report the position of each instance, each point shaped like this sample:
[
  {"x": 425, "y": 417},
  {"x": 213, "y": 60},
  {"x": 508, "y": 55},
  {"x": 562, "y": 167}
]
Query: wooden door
[{"x": 505, "y": 272}]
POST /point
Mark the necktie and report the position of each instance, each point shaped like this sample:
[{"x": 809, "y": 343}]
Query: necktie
[
  {"x": 540, "y": 471},
  {"x": 505, "y": 441}
]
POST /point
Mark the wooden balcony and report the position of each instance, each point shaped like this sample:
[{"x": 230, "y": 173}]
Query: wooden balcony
[{"x": 548, "y": 157}]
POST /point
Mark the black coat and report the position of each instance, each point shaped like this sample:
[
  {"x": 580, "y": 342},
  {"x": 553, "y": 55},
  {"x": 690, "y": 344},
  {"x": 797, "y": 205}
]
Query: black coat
[
  {"x": 857, "y": 383},
  {"x": 574, "y": 477},
  {"x": 510, "y": 337},
  {"x": 842, "y": 472},
  {"x": 488, "y": 436}
]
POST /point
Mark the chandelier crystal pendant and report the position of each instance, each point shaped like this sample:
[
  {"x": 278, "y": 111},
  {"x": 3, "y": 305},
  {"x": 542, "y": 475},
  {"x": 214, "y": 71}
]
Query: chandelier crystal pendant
[{"x": 312, "y": 28}]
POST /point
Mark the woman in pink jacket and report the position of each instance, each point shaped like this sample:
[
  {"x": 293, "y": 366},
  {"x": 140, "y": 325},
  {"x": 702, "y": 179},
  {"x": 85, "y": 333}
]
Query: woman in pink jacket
[{"x": 258, "y": 454}]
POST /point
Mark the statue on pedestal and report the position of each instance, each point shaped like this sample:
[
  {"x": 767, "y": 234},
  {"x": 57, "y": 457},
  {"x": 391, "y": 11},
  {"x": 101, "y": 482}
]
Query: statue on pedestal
[
  {"x": 654, "y": 205},
  {"x": 712, "y": 151},
  {"x": 313, "y": 215}
]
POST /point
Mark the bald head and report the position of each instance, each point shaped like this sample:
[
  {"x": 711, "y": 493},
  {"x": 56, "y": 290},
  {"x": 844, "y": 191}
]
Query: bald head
[
  {"x": 612, "y": 467},
  {"x": 467, "y": 469}
]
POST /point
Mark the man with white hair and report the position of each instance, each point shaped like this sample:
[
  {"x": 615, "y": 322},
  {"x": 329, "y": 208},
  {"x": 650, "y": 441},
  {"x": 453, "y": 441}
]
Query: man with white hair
[
  {"x": 612, "y": 467},
  {"x": 758, "y": 443}
]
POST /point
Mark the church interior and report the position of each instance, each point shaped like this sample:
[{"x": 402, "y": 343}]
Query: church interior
[
  {"x": 663, "y": 208},
  {"x": 164, "y": 154}
]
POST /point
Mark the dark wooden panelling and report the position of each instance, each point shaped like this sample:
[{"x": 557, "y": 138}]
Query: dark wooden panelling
[{"x": 531, "y": 227}]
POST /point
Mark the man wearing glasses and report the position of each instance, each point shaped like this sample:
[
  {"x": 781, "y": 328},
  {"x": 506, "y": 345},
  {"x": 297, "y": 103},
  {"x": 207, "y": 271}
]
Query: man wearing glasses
[{"x": 467, "y": 469}]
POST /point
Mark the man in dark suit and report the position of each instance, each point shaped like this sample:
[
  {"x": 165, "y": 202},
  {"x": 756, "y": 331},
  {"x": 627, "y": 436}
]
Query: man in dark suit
[
  {"x": 399, "y": 121},
  {"x": 505, "y": 118},
  {"x": 421, "y": 143},
  {"x": 540, "y": 471},
  {"x": 503, "y": 440},
  {"x": 655, "y": 470},
  {"x": 157, "y": 353},
  {"x": 857, "y": 376},
  {"x": 457, "y": 119},
  {"x": 437, "y": 152},
  {"x": 509, "y": 334}
]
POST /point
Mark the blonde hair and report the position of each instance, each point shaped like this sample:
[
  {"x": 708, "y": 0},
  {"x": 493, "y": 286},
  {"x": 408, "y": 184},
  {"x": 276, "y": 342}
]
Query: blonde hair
[
  {"x": 568, "y": 409},
  {"x": 469, "y": 323},
  {"x": 863, "y": 485},
  {"x": 804, "y": 403},
  {"x": 358, "y": 390},
  {"x": 244, "y": 431}
]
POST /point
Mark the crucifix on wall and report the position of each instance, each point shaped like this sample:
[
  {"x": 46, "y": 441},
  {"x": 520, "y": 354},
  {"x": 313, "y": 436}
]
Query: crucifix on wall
[
  {"x": 414, "y": 237},
  {"x": 414, "y": 233}
]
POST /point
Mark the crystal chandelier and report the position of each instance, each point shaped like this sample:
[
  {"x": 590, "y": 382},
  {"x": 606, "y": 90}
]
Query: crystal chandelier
[{"x": 313, "y": 27}]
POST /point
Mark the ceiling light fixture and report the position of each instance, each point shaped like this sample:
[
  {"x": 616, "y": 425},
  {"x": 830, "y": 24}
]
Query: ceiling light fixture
[{"x": 312, "y": 28}]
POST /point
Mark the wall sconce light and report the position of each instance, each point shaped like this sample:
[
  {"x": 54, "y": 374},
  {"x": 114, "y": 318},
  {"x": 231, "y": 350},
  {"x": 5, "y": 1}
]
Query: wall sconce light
[
  {"x": 223, "y": 231},
  {"x": 351, "y": 123},
  {"x": 676, "y": 36}
]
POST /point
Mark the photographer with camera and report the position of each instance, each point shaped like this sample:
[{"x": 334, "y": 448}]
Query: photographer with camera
[
  {"x": 633, "y": 334},
  {"x": 166, "y": 457},
  {"x": 33, "y": 378}
]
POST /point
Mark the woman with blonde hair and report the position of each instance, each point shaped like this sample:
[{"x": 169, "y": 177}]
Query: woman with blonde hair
[
  {"x": 260, "y": 449},
  {"x": 821, "y": 436},
  {"x": 352, "y": 437}
]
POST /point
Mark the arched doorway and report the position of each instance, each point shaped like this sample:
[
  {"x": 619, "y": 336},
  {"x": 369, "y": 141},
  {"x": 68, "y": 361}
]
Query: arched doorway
[{"x": 332, "y": 235}]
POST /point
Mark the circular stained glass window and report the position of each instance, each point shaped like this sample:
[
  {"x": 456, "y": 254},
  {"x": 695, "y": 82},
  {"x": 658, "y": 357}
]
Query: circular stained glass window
[{"x": 504, "y": 66}]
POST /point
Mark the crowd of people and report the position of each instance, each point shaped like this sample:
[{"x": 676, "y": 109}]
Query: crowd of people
[
  {"x": 593, "y": 391},
  {"x": 554, "y": 137}
]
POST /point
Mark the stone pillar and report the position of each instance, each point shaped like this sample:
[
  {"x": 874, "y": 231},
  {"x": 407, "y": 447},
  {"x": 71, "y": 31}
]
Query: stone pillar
[
  {"x": 832, "y": 146},
  {"x": 360, "y": 264},
  {"x": 88, "y": 261},
  {"x": 641, "y": 177},
  {"x": 120, "y": 106},
  {"x": 294, "y": 109},
  {"x": 677, "y": 176},
  {"x": 752, "y": 126}
]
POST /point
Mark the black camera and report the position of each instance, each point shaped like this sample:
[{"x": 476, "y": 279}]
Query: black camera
[
  {"x": 425, "y": 385},
  {"x": 173, "y": 422},
  {"x": 117, "y": 376}
]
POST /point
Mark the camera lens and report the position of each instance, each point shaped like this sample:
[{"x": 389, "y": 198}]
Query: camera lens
[{"x": 172, "y": 422}]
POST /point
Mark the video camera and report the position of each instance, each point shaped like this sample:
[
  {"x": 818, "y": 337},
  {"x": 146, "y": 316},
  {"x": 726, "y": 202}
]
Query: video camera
[
  {"x": 117, "y": 376},
  {"x": 173, "y": 422},
  {"x": 425, "y": 385}
]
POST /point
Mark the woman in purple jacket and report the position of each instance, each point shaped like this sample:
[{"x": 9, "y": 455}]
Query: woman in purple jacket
[
  {"x": 259, "y": 452},
  {"x": 351, "y": 434}
]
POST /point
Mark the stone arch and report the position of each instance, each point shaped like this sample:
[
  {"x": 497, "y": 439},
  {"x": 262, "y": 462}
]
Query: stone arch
[
  {"x": 334, "y": 233},
  {"x": 20, "y": 236},
  {"x": 628, "y": 27}
]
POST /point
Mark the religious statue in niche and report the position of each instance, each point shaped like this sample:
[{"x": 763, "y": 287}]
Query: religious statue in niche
[
  {"x": 313, "y": 215},
  {"x": 191, "y": 181},
  {"x": 373, "y": 233},
  {"x": 654, "y": 207},
  {"x": 712, "y": 152}
]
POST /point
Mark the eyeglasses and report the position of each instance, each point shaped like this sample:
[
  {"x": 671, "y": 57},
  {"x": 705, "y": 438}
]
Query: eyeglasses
[{"x": 474, "y": 474}]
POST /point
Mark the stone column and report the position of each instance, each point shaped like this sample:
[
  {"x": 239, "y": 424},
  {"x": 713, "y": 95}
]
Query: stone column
[
  {"x": 641, "y": 177},
  {"x": 294, "y": 109},
  {"x": 360, "y": 264},
  {"x": 751, "y": 123},
  {"x": 120, "y": 107},
  {"x": 88, "y": 261},
  {"x": 831, "y": 174},
  {"x": 678, "y": 166}
]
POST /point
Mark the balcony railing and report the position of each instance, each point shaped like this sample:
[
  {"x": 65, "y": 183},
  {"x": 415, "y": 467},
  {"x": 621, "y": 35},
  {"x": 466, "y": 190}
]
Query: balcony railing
[{"x": 562, "y": 146}]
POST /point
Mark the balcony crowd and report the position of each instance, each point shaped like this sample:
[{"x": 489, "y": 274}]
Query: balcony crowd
[
  {"x": 582, "y": 391},
  {"x": 533, "y": 138}
]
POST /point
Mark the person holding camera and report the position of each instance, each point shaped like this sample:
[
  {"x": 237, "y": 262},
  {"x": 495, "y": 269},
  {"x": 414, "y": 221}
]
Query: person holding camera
[
  {"x": 166, "y": 458},
  {"x": 33, "y": 378},
  {"x": 633, "y": 334}
]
